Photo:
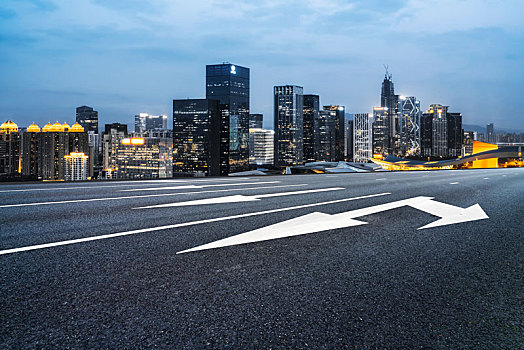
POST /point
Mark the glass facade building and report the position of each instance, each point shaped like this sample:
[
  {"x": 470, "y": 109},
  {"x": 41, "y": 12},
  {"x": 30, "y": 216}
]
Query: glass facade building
[
  {"x": 197, "y": 136},
  {"x": 441, "y": 133},
  {"x": 339, "y": 114},
  {"x": 409, "y": 114},
  {"x": 229, "y": 84},
  {"x": 362, "y": 137},
  {"x": 288, "y": 124},
  {"x": 144, "y": 158},
  {"x": 311, "y": 115},
  {"x": 87, "y": 118},
  {"x": 256, "y": 121}
]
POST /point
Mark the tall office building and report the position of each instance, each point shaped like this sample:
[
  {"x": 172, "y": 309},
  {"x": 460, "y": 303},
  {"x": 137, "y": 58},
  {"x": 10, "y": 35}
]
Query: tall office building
[
  {"x": 490, "y": 133},
  {"x": 197, "y": 136},
  {"x": 339, "y": 113},
  {"x": 145, "y": 158},
  {"x": 87, "y": 118},
  {"x": 111, "y": 140},
  {"x": 349, "y": 140},
  {"x": 441, "y": 133},
  {"x": 9, "y": 150},
  {"x": 310, "y": 138},
  {"x": 389, "y": 100},
  {"x": 261, "y": 146},
  {"x": 145, "y": 122},
  {"x": 288, "y": 124},
  {"x": 381, "y": 129},
  {"x": 362, "y": 137},
  {"x": 229, "y": 84},
  {"x": 409, "y": 114},
  {"x": 325, "y": 133},
  {"x": 256, "y": 121}
]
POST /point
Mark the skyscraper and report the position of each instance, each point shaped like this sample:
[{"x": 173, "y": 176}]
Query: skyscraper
[
  {"x": 349, "y": 140},
  {"x": 409, "y": 114},
  {"x": 261, "y": 146},
  {"x": 87, "y": 118},
  {"x": 490, "y": 133},
  {"x": 288, "y": 124},
  {"x": 441, "y": 133},
  {"x": 381, "y": 128},
  {"x": 197, "y": 138},
  {"x": 145, "y": 122},
  {"x": 362, "y": 137},
  {"x": 339, "y": 113},
  {"x": 389, "y": 100},
  {"x": 229, "y": 84},
  {"x": 325, "y": 134},
  {"x": 311, "y": 115},
  {"x": 145, "y": 158},
  {"x": 256, "y": 121}
]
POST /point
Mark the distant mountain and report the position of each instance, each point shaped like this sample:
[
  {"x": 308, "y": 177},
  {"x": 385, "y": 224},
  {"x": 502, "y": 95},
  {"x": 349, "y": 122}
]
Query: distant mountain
[{"x": 482, "y": 129}]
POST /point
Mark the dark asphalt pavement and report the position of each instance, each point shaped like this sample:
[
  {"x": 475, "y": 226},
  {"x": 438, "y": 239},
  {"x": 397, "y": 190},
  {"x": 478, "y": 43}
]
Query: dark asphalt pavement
[{"x": 382, "y": 285}]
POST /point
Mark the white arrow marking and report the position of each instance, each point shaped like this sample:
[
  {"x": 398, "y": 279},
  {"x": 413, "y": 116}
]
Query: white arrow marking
[
  {"x": 318, "y": 222},
  {"x": 237, "y": 198},
  {"x": 183, "y": 187}
]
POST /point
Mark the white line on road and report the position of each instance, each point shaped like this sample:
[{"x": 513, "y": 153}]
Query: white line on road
[
  {"x": 144, "y": 196},
  {"x": 184, "y": 224},
  {"x": 453, "y": 183},
  {"x": 238, "y": 198},
  {"x": 380, "y": 179},
  {"x": 197, "y": 186},
  {"x": 119, "y": 184}
]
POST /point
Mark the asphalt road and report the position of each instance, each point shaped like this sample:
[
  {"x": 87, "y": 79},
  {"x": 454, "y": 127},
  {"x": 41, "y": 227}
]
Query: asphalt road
[{"x": 82, "y": 267}]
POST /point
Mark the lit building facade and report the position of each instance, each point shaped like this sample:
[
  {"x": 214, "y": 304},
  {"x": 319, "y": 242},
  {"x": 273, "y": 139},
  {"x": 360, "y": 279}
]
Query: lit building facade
[
  {"x": 111, "y": 140},
  {"x": 362, "y": 137},
  {"x": 144, "y": 158},
  {"x": 339, "y": 114},
  {"x": 325, "y": 133},
  {"x": 349, "y": 140},
  {"x": 145, "y": 122},
  {"x": 87, "y": 118},
  {"x": 490, "y": 133},
  {"x": 441, "y": 133},
  {"x": 10, "y": 156},
  {"x": 409, "y": 116},
  {"x": 197, "y": 136},
  {"x": 261, "y": 146},
  {"x": 30, "y": 143},
  {"x": 288, "y": 124},
  {"x": 76, "y": 166},
  {"x": 310, "y": 116},
  {"x": 381, "y": 131},
  {"x": 229, "y": 84}
]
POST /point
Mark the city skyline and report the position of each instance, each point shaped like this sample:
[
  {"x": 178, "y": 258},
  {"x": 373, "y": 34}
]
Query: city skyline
[{"x": 100, "y": 55}]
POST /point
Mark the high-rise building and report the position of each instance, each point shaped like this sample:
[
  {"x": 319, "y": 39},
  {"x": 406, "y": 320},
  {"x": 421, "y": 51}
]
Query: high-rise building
[
  {"x": 87, "y": 118},
  {"x": 409, "y": 115},
  {"x": 325, "y": 133},
  {"x": 9, "y": 150},
  {"x": 229, "y": 84},
  {"x": 349, "y": 140},
  {"x": 261, "y": 146},
  {"x": 76, "y": 166},
  {"x": 381, "y": 131},
  {"x": 256, "y": 121},
  {"x": 362, "y": 137},
  {"x": 144, "y": 158},
  {"x": 310, "y": 138},
  {"x": 145, "y": 122},
  {"x": 30, "y": 143},
  {"x": 441, "y": 133},
  {"x": 111, "y": 140},
  {"x": 389, "y": 100},
  {"x": 288, "y": 124},
  {"x": 197, "y": 136},
  {"x": 490, "y": 133},
  {"x": 467, "y": 141},
  {"x": 339, "y": 113}
]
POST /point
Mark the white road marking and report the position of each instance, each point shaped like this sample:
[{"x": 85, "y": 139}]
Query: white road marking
[
  {"x": 198, "y": 186},
  {"x": 318, "y": 222},
  {"x": 120, "y": 184},
  {"x": 144, "y": 196},
  {"x": 380, "y": 179},
  {"x": 238, "y": 198},
  {"x": 453, "y": 183},
  {"x": 486, "y": 178},
  {"x": 184, "y": 224}
]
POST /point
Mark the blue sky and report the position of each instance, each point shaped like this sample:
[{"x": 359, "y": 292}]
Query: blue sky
[{"x": 126, "y": 57}]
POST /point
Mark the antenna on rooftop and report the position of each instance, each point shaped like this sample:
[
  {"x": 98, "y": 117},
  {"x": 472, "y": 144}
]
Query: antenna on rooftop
[{"x": 386, "y": 67}]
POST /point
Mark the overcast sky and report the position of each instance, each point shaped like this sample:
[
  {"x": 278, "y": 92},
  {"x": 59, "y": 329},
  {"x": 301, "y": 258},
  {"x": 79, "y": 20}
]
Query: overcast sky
[{"x": 126, "y": 57}]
